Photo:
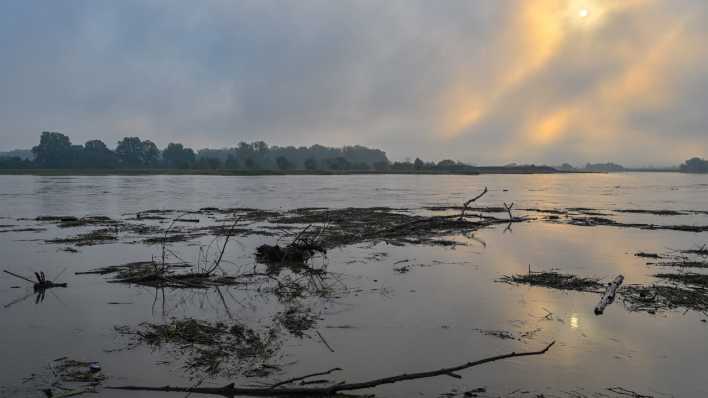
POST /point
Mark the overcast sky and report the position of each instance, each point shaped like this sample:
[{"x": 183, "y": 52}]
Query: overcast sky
[{"x": 488, "y": 81}]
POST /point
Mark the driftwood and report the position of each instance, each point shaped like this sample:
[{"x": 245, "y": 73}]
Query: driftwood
[
  {"x": 467, "y": 204},
  {"x": 300, "y": 250},
  {"x": 231, "y": 390},
  {"x": 41, "y": 284},
  {"x": 508, "y": 208},
  {"x": 609, "y": 295}
]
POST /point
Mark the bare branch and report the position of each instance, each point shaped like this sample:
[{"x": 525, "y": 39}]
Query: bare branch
[
  {"x": 508, "y": 208},
  {"x": 294, "y": 379},
  {"x": 467, "y": 204},
  {"x": 231, "y": 390}
]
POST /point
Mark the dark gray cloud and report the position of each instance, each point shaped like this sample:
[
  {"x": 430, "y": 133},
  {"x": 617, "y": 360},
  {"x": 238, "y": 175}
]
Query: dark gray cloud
[{"x": 480, "y": 81}]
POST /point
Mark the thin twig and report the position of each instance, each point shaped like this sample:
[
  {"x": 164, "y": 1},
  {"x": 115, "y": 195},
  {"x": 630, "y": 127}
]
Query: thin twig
[
  {"x": 294, "y": 379},
  {"x": 324, "y": 341},
  {"x": 19, "y": 276}
]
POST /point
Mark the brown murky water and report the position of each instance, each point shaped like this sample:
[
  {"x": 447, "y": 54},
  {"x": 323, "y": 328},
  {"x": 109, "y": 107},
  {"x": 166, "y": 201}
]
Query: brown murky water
[{"x": 395, "y": 309}]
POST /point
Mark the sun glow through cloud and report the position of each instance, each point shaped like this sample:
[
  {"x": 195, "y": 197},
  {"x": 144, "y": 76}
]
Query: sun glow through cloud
[
  {"x": 541, "y": 36},
  {"x": 542, "y": 81}
]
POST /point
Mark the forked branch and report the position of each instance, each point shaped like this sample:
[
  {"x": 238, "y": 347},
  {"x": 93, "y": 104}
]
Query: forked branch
[
  {"x": 508, "y": 208},
  {"x": 467, "y": 204}
]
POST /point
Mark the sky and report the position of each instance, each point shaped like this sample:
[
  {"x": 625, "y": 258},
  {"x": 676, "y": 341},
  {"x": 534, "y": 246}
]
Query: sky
[{"x": 485, "y": 82}]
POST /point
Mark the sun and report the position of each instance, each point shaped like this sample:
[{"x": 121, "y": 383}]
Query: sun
[{"x": 584, "y": 13}]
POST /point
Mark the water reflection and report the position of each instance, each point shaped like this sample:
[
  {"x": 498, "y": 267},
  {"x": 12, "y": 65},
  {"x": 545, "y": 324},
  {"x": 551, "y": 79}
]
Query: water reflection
[
  {"x": 385, "y": 321},
  {"x": 574, "y": 323}
]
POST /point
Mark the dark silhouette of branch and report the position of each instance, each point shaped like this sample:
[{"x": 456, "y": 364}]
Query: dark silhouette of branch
[
  {"x": 467, "y": 204},
  {"x": 231, "y": 390},
  {"x": 294, "y": 379},
  {"x": 223, "y": 248},
  {"x": 508, "y": 208}
]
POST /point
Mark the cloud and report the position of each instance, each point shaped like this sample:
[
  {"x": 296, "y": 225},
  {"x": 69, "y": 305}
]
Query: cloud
[{"x": 486, "y": 82}]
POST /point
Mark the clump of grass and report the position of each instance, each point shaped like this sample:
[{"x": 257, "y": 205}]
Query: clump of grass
[
  {"x": 88, "y": 239},
  {"x": 72, "y": 371},
  {"x": 693, "y": 258},
  {"x": 647, "y": 255},
  {"x": 554, "y": 280},
  {"x": 296, "y": 320},
  {"x": 212, "y": 348},
  {"x": 699, "y": 280},
  {"x": 661, "y": 298}
]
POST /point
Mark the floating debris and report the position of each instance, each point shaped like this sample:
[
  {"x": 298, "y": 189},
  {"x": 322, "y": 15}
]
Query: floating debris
[
  {"x": 212, "y": 348},
  {"x": 693, "y": 258},
  {"x": 656, "y": 298},
  {"x": 88, "y": 239},
  {"x": 296, "y": 320},
  {"x": 700, "y": 280},
  {"x": 554, "y": 280}
]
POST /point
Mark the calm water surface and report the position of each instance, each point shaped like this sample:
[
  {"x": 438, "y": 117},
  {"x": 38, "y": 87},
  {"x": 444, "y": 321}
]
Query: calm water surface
[{"x": 423, "y": 319}]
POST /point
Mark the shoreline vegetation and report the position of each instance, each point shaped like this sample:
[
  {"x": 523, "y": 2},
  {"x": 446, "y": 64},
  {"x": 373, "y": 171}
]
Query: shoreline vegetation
[
  {"x": 56, "y": 155},
  {"x": 227, "y": 172}
]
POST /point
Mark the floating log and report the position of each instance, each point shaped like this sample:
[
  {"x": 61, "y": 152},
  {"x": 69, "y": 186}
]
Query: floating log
[{"x": 609, "y": 295}]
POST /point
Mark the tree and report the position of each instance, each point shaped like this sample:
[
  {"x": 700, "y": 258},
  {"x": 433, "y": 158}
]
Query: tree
[
  {"x": 208, "y": 164},
  {"x": 14, "y": 162},
  {"x": 447, "y": 164},
  {"x": 310, "y": 164},
  {"x": 338, "y": 163},
  {"x": 96, "y": 154},
  {"x": 283, "y": 163},
  {"x": 129, "y": 152},
  {"x": 54, "y": 150},
  {"x": 176, "y": 155},
  {"x": 132, "y": 152},
  {"x": 381, "y": 166},
  {"x": 232, "y": 162},
  {"x": 418, "y": 164},
  {"x": 695, "y": 165},
  {"x": 150, "y": 155}
]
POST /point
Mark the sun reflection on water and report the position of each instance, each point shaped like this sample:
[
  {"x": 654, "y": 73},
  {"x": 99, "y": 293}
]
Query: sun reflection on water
[{"x": 574, "y": 321}]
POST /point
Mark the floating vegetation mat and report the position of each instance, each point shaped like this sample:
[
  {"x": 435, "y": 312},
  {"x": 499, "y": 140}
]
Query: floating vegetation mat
[
  {"x": 691, "y": 258},
  {"x": 689, "y": 292},
  {"x": 554, "y": 280},
  {"x": 211, "y": 348},
  {"x": 656, "y": 298}
]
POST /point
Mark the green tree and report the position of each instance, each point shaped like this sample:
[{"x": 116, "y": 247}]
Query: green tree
[
  {"x": 208, "y": 164},
  {"x": 338, "y": 163},
  {"x": 283, "y": 163},
  {"x": 176, "y": 155},
  {"x": 232, "y": 162},
  {"x": 381, "y": 166},
  {"x": 151, "y": 155},
  {"x": 310, "y": 164},
  {"x": 54, "y": 151},
  {"x": 132, "y": 152},
  {"x": 695, "y": 165},
  {"x": 418, "y": 164},
  {"x": 96, "y": 154},
  {"x": 129, "y": 152}
]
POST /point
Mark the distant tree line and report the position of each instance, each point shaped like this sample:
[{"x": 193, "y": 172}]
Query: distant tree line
[
  {"x": 694, "y": 165},
  {"x": 56, "y": 151}
]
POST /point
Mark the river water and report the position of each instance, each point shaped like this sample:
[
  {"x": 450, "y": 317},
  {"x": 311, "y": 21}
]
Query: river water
[{"x": 388, "y": 322}]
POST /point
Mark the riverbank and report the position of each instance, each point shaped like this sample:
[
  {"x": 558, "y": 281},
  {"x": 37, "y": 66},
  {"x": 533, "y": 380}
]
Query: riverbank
[{"x": 221, "y": 172}]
